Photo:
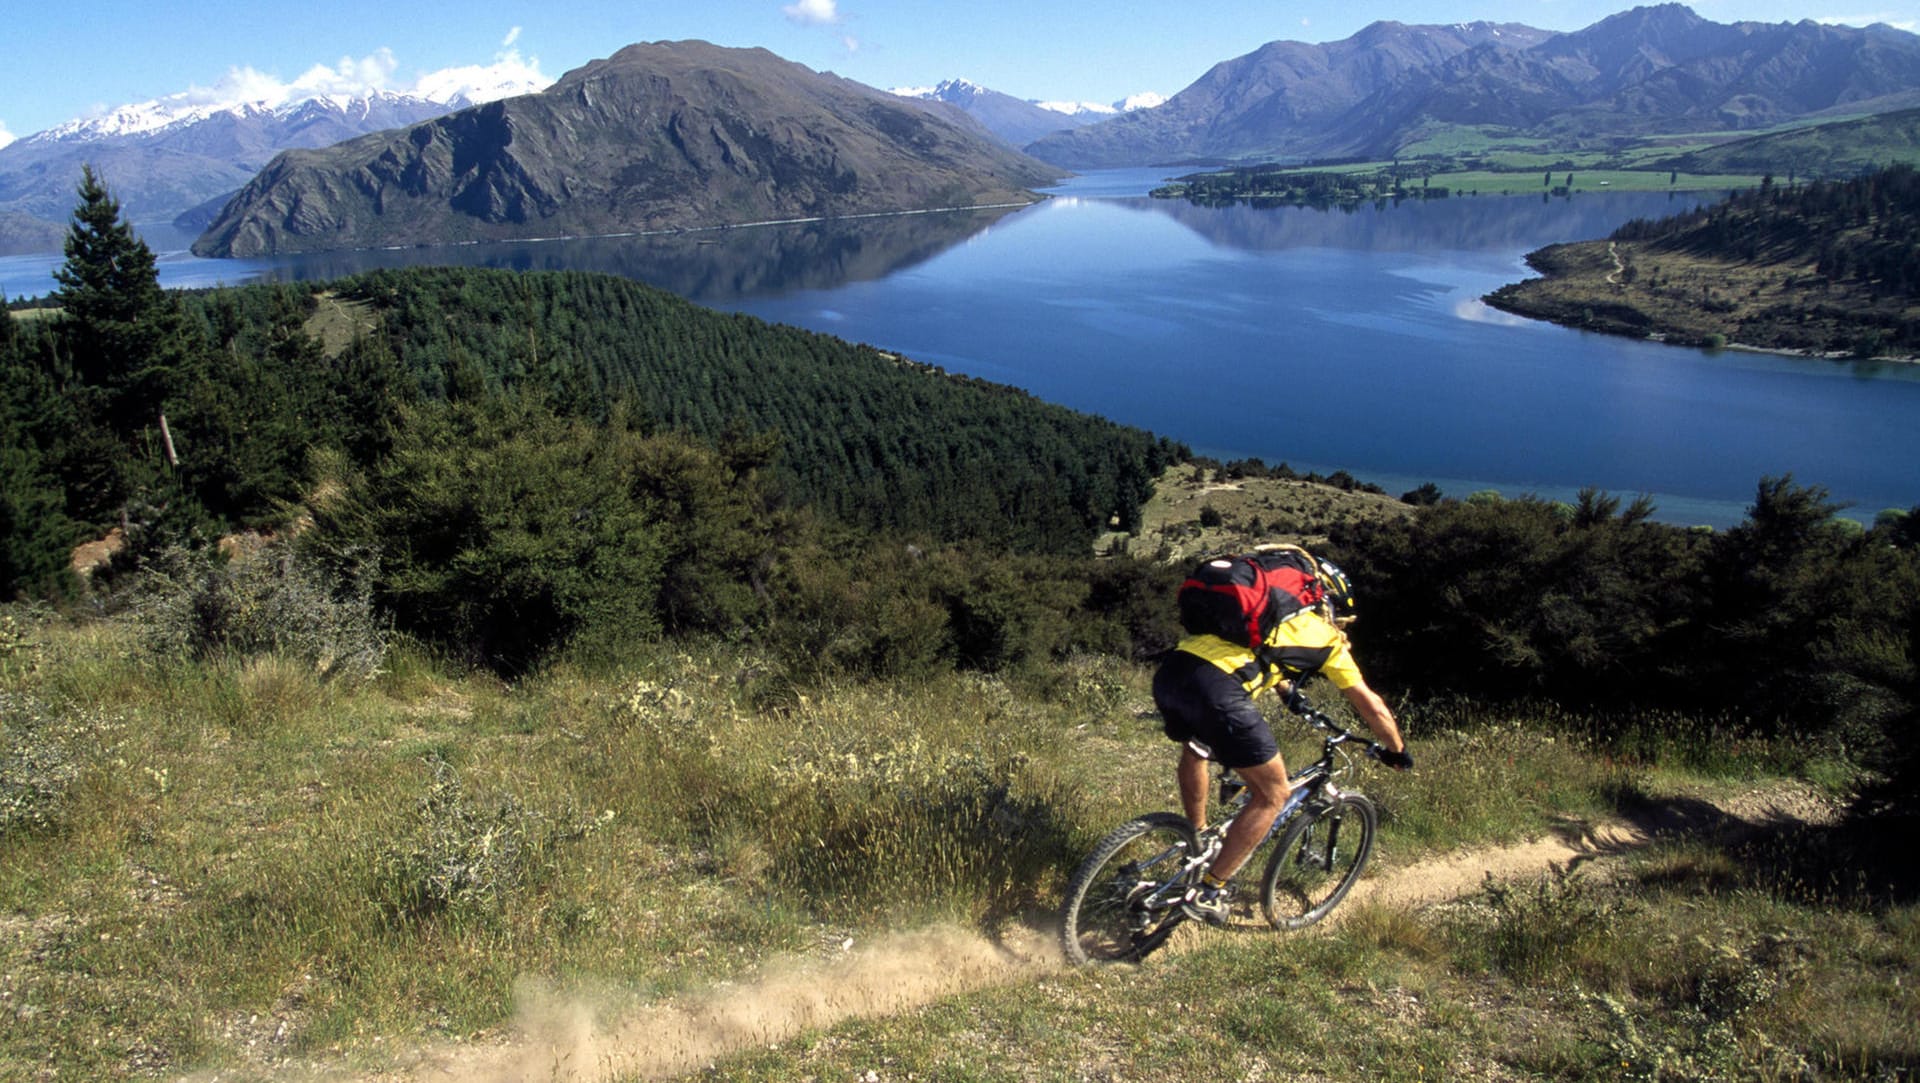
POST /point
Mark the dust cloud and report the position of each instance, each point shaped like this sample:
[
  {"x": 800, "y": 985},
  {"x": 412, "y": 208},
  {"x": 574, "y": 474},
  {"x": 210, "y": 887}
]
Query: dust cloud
[{"x": 565, "y": 1036}]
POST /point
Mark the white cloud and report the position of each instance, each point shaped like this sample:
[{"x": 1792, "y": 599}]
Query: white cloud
[
  {"x": 5, "y": 135},
  {"x": 509, "y": 73},
  {"x": 812, "y": 11},
  {"x": 512, "y": 36},
  {"x": 348, "y": 77}
]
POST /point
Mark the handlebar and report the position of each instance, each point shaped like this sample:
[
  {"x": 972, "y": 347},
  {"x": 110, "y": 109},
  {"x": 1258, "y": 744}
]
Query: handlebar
[{"x": 1337, "y": 734}]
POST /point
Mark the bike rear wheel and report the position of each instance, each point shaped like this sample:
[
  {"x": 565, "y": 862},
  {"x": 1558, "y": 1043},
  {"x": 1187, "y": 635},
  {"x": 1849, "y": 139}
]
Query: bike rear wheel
[
  {"x": 1116, "y": 910},
  {"x": 1318, "y": 860}
]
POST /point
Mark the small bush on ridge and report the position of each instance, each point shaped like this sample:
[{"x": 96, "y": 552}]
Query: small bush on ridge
[{"x": 275, "y": 601}]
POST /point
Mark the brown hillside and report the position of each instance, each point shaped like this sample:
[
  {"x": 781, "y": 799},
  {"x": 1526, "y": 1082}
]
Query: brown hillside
[{"x": 1251, "y": 510}]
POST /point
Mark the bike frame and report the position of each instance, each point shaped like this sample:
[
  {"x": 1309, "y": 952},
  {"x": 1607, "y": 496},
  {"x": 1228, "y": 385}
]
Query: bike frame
[
  {"x": 1120, "y": 906},
  {"x": 1314, "y": 780}
]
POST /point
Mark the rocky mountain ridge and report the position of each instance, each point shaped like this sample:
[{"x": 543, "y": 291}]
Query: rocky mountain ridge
[
  {"x": 659, "y": 136},
  {"x": 165, "y": 157},
  {"x": 1648, "y": 71}
]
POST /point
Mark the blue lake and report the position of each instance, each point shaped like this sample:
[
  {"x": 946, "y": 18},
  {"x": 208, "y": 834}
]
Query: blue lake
[{"x": 1324, "y": 339}]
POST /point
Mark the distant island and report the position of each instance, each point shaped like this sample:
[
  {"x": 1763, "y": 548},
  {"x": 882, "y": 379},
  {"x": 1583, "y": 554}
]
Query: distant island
[
  {"x": 1827, "y": 269},
  {"x": 1276, "y": 184}
]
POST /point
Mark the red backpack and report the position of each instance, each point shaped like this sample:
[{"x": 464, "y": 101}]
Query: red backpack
[{"x": 1243, "y": 598}]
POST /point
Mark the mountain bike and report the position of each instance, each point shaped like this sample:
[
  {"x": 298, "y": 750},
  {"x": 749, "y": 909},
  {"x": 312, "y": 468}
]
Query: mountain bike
[{"x": 1123, "y": 902}]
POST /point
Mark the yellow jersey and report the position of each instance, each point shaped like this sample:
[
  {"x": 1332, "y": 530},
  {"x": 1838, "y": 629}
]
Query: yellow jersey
[{"x": 1302, "y": 644}]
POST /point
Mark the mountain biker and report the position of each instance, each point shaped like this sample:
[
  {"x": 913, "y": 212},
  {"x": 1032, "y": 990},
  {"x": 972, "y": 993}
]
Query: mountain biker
[{"x": 1205, "y": 691}]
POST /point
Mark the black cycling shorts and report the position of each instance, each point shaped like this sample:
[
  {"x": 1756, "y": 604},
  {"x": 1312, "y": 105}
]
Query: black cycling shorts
[{"x": 1199, "y": 702}]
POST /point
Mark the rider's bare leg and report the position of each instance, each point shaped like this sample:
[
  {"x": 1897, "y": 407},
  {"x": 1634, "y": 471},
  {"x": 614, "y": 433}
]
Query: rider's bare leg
[
  {"x": 1268, "y": 788},
  {"x": 1193, "y": 786}
]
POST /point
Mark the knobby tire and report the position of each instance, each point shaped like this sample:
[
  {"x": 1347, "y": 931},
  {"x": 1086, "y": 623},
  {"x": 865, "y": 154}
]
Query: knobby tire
[
  {"x": 1318, "y": 860},
  {"x": 1102, "y": 920}
]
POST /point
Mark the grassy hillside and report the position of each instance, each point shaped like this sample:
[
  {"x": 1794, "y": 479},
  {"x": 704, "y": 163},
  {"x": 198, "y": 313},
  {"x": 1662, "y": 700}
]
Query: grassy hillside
[
  {"x": 1463, "y": 160},
  {"x": 1836, "y": 150},
  {"x": 1198, "y": 509},
  {"x": 237, "y": 869}
]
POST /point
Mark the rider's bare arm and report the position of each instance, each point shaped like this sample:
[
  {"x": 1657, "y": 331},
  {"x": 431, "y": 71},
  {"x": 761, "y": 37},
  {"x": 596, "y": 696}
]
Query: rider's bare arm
[{"x": 1374, "y": 712}]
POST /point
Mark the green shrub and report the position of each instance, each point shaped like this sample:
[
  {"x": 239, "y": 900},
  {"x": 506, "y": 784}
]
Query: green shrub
[
  {"x": 463, "y": 859},
  {"x": 874, "y": 619},
  {"x": 21, "y": 646},
  {"x": 1555, "y": 927},
  {"x": 42, "y": 754},
  {"x": 277, "y": 601},
  {"x": 506, "y": 532}
]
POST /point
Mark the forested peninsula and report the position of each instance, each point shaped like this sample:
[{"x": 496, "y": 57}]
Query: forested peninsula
[
  {"x": 1278, "y": 185},
  {"x": 1830, "y": 268}
]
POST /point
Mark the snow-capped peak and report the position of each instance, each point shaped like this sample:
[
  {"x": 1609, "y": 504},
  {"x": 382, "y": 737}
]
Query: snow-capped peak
[
  {"x": 1146, "y": 99},
  {"x": 961, "y": 91},
  {"x": 949, "y": 90},
  {"x": 473, "y": 84},
  {"x": 352, "y": 87}
]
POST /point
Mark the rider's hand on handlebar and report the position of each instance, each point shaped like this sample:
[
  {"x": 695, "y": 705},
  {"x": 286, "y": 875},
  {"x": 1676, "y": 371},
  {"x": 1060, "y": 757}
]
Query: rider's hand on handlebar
[{"x": 1399, "y": 761}]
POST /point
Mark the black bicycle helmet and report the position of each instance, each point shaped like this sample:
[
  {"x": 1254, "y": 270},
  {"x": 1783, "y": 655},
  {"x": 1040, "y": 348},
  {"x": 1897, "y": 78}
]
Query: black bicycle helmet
[{"x": 1339, "y": 591}]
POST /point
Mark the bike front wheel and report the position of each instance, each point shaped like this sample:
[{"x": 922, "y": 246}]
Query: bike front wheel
[
  {"x": 1124, "y": 899},
  {"x": 1317, "y": 861}
]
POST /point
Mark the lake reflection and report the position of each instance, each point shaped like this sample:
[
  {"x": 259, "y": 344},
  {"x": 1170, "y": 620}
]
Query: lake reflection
[
  {"x": 702, "y": 265},
  {"x": 1330, "y": 340}
]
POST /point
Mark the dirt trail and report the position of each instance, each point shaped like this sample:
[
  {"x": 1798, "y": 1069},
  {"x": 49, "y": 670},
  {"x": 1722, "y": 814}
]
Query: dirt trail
[
  {"x": 562, "y": 1035},
  {"x": 1454, "y": 875}
]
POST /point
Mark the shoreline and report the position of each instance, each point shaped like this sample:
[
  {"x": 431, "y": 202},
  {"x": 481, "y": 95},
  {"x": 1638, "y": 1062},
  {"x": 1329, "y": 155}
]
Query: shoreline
[
  {"x": 1660, "y": 338},
  {"x": 668, "y": 232},
  {"x": 1702, "y": 303}
]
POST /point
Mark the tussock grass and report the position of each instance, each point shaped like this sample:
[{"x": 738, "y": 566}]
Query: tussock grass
[
  {"x": 196, "y": 846},
  {"x": 236, "y": 864}
]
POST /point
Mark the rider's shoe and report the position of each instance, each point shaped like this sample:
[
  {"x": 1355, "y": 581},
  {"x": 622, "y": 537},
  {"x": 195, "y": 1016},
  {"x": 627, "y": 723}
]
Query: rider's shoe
[{"x": 1208, "y": 903}]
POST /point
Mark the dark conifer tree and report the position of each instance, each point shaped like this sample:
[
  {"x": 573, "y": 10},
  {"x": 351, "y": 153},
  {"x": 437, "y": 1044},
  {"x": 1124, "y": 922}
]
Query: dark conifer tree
[
  {"x": 35, "y": 533},
  {"x": 119, "y": 324},
  {"x": 122, "y": 347}
]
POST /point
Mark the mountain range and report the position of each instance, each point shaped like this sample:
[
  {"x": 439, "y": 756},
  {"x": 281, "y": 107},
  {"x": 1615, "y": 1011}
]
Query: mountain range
[
  {"x": 1019, "y": 121},
  {"x": 677, "y": 135},
  {"x": 659, "y": 136},
  {"x": 1393, "y": 89},
  {"x": 167, "y": 157}
]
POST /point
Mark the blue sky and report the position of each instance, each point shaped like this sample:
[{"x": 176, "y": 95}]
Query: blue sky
[{"x": 68, "y": 62}]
